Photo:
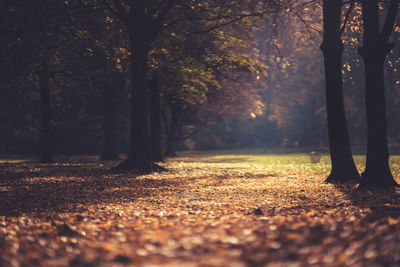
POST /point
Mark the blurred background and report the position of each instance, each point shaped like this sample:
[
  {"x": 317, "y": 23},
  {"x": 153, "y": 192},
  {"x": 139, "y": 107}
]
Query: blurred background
[{"x": 254, "y": 84}]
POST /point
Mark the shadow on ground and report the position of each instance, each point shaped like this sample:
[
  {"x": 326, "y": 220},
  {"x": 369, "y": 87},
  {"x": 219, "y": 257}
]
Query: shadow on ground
[
  {"x": 69, "y": 187},
  {"x": 382, "y": 203}
]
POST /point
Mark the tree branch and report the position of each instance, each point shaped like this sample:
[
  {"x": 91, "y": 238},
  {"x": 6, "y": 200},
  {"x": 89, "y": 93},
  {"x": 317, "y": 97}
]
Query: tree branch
[
  {"x": 390, "y": 20},
  {"x": 117, "y": 11},
  {"x": 196, "y": 130},
  {"x": 157, "y": 23},
  {"x": 351, "y": 7}
]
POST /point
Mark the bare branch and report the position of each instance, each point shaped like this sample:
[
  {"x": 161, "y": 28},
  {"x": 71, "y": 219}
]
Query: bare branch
[
  {"x": 157, "y": 24},
  {"x": 351, "y": 7},
  {"x": 117, "y": 10},
  {"x": 196, "y": 130},
  {"x": 390, "y": 20}
]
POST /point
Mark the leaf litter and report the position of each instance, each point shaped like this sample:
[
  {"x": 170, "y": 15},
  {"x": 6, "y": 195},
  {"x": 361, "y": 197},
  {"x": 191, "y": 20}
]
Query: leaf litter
[{"x": 196, "y": 214}]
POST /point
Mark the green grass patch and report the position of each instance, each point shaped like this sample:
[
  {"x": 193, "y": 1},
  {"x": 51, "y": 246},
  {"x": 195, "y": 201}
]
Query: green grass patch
[
  {"x": 14, "y": 161},
  {"x": 287, "y": 161}
]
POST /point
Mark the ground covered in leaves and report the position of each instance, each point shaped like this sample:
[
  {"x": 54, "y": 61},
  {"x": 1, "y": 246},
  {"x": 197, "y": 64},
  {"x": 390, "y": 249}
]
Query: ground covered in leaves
[{"x": 229, "y": 210}]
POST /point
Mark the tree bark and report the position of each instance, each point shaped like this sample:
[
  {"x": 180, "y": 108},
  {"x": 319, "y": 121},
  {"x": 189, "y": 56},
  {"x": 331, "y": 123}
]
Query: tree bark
[
  {"x": 110, "y": 112},
  {"x": 155, "y": 119},
  {"x": 46, "y": 143},
  {"x": 377, "y": 171},
  {"x": 343, "y": 167},
  {"x": 176, "y": 115},
  {"x": 139, "y": 154}
]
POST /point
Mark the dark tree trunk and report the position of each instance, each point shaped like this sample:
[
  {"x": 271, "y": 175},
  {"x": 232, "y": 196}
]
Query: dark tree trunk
[
  {"x": 155, "y": 119},
  {"x": 110, "y": 112},
  {"x": 46, "y": 143},
  {"x": 139, "y": 154},
  {"x": 377, "y": 171},
  {"x": 343, "y": 167},
  {"x": 176, "y": 114}
]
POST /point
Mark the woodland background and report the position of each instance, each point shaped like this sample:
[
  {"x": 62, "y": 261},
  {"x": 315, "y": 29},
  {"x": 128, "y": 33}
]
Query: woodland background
[{"x": 256, "y": 83}]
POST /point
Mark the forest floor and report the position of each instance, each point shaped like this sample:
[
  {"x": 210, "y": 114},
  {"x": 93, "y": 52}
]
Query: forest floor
[{"x": 208, "y": 210}]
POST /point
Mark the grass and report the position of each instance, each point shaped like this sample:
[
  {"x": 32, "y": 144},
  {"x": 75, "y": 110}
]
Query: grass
[
  {"x": 289, "y": 161},
  {"x": 282, "y": 160},
  {"x": 4, "y": 159}
]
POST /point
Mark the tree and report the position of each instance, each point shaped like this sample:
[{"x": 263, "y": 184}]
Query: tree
[
  {"x": 144, "y": 21},
  {"x": 343, "y": 167},
  {"x": 393, "y": 83},
  {"x": 39, "y": 34},
  {"x": 46, "y": 137},
  {"x": 110, "y": 98},
  {"x": 194, "y": 76},
  {"x": 375, "y": 48},
  {"x": 155, "y": 117}
]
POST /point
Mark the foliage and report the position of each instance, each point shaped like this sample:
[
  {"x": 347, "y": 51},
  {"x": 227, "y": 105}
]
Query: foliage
[{"x": 266, "y": 70}]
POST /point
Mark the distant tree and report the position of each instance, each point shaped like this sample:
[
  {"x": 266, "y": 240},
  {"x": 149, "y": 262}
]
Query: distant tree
[
  {"x": 108, "y": 41},
  {"x": 46, "y": 136},
  {"x": 155, "y": 117},
  {"x": 210, "y": 76},
  {"x": 36, "y": 29},
  {"x": 375, "y": 48},
  {"x": 145, "y": 20},
  {"x": 343, "y": 167},
  {"x": 393, "y": 83},
  {"x": 111, "y": 97}
]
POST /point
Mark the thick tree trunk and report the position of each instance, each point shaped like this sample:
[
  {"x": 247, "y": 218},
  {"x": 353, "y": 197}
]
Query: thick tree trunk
[
  {"x": 46, "y": 143},
  {"x": 176, "y": 114},
  {"x": 343, "y": 167},
  {"x": 377, "y": 171},
  {"x": 110, "y": 112},
  {"x": 139, "y": 154},
  {"x": 155, "y": 118}
]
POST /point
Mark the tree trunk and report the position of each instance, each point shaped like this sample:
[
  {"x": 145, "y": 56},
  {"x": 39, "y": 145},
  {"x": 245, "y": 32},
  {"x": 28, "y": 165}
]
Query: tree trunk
[
  {"x": 110, "y": 112},
  {"x": 176, "y": 114},
  {"x": 377, "y": 171},
  {"x": 155, "y": 118},
  {"x": 139, "y": 154},
  {"x": 343, "y": 167},
  {"x": 46, "y": 143}
]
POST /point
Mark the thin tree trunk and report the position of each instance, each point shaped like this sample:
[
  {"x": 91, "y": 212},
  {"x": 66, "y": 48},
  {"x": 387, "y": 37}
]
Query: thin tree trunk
[
  {"x": 176, "y": 114},
  {"x": 343, "y": 167},
  {"x": 46, "y": 143},
  {"x": 377, "y": 171},
  {"x": 155, "y": 118},
  {"x": 110, "y": 111}
]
